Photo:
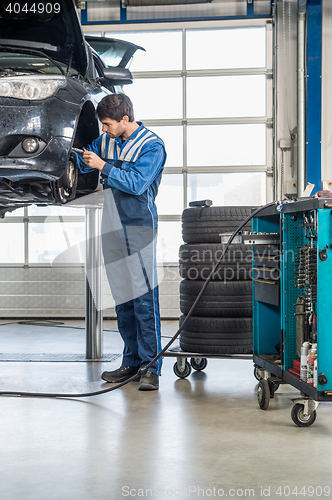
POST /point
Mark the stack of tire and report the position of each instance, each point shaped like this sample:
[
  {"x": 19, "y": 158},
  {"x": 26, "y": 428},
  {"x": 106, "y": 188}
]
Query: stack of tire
[{"x": 222, "y": 320}]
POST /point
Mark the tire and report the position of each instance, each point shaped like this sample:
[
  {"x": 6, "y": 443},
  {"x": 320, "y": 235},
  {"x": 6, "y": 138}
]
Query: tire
[
  {"x": 216, "y": 326},
  {"x": 220, "y": 299},
  {"x": 263, "y": 394},
  {"x": 299, "y": 418},
  {"x": 226, "y": 289},
  {"x": 216, "y": 335},
  {"x": 203, "y": 347},
  {"x": 204, "y": 225},
  {"x": 64, "y": 189},
  {"x": 216, "y": 213},
  {"x": 197, "y": 261},
  {"x": 216, "y": 338},
  {"x": 224, "y": 272},
  {"x": 209, "y": 235},
  {"x": 205, "y": 253}
]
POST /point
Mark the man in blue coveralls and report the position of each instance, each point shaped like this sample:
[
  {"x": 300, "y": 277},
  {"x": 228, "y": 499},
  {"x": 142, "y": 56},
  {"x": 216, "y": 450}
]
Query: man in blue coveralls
[{"x": 131, "y": 159}]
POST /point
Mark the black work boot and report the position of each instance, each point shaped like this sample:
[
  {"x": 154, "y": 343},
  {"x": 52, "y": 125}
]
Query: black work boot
[
  {"x": 121, "y": 374},
  {"x": 149, "y": 382}
]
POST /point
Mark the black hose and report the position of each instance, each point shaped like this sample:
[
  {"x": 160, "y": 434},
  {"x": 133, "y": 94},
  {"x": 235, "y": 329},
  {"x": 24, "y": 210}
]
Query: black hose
[{"x": 144, "y": 369}]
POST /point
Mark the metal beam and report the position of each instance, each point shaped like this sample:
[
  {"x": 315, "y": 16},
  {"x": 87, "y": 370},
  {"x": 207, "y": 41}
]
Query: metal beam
[
  {"x": 301, "y": 97},
  {"x": 93, "y": 285}
]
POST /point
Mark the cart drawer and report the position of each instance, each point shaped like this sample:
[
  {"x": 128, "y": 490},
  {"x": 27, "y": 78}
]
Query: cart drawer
[{"x": 267, "y": 291}]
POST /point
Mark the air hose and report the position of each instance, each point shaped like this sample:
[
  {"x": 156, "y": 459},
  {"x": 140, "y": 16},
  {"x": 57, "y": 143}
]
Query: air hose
[{"x": 144, "y": 369}]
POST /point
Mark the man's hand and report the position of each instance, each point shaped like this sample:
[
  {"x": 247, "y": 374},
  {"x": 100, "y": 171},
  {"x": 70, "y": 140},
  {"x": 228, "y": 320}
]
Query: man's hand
[{"x": 92, "y": 160}]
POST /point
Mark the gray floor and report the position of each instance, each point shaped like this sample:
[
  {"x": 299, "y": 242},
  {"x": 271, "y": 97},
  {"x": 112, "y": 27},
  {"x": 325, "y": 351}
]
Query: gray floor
[{"x": 200, "y": 437}]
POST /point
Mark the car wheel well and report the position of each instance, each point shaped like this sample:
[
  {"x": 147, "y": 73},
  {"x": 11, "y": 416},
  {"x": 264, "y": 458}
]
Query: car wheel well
[{"x": 87, "y": 129}]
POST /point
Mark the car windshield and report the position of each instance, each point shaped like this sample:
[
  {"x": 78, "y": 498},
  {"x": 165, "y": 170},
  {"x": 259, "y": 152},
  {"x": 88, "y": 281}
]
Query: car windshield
[{"x": 30, "y": 63}]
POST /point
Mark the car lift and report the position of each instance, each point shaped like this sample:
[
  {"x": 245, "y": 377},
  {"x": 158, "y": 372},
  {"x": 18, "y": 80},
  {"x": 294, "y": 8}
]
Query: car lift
[{"x": 93, "y": 284}]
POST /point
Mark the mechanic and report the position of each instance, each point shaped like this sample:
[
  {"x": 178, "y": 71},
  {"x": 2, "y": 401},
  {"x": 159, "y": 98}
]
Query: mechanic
[{"x": 131, "y": 159}]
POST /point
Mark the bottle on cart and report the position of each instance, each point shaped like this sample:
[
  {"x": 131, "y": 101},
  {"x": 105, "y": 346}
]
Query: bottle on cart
[
  {"x": 304, "y": 361},
  {"x": 315, "y": 373},
  {"x": 312, "y": 355}
]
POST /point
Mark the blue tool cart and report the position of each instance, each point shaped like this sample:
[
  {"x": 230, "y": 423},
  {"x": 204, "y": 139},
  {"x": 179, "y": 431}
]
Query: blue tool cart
[{"x": 292, "y": 303}]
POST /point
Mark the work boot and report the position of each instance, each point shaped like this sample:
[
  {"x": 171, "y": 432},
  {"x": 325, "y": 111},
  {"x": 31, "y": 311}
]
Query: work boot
[
  {"x": 120, "y": 375},
  {"x": 149, "y": 382}
]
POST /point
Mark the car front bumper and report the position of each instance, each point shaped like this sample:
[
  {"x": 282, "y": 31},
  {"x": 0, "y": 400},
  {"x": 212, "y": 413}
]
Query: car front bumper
[
  {"x": 51, "y": 121},
  {"x": 49, "y": 164}
]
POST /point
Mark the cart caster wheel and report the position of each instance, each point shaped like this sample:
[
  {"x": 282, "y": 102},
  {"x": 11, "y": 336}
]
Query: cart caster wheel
[
  {"x": 185, "y": 373},
  {"x": 299, "y": 418},
  {"x": 273, "y": 386},
  {"x": 263, "y": 394},
  {"x": 258, "y": 373},
  {"x": 198, "y": 363}
]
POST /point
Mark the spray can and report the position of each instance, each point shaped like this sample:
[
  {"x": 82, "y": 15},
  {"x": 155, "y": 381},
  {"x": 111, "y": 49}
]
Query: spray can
[
  {"x": 312, "y": 355},
  {"x": 304, "y": 361}
]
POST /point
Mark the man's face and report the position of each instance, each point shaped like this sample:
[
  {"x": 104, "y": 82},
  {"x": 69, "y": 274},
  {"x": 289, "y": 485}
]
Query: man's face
[{"x": 113, "y": 128}]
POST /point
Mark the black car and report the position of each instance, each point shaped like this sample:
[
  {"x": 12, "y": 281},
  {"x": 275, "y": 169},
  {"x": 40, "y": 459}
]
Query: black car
[{"x": 51, "y": 80}]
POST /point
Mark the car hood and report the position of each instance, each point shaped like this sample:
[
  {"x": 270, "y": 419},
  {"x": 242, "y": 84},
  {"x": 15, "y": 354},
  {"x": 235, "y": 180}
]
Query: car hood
[{"x": 58, "y": 35}]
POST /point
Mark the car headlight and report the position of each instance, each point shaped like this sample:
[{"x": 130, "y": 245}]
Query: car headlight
[{"x": 31, "y": 88}]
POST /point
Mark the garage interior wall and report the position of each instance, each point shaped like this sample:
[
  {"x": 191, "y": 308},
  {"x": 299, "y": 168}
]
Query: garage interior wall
[{"x": 42, "y": 290}]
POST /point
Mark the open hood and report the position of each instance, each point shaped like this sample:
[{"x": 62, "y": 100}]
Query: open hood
[{"x": 56, "y": 33}]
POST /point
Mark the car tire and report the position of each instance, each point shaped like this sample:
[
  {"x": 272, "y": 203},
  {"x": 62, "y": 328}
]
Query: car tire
[
  {"x": 216, "y": 335},
  {"x": 64, "y": 189},
  {"x": 224, "y": 272},
  {"x": 220, "y": 299},
  {"x": 196, "y": 262},
  {"x": 204, "y": 225}
]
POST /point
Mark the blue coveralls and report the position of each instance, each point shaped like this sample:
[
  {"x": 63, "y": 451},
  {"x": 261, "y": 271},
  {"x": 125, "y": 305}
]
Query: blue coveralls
[{"x": 133, "y": 171}]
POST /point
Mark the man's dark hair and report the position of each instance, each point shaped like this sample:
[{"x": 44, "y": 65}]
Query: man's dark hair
[{"x": 115, "y": 107}]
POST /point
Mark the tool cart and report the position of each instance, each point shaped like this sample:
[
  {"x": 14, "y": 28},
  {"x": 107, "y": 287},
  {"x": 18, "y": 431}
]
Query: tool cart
[{"x": 292, "y": 303}]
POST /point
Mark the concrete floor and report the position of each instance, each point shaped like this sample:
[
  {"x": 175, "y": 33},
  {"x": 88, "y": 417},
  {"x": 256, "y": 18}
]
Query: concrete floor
[{"x": 200, "y": 437}]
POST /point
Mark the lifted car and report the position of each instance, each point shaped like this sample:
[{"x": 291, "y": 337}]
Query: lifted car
[{"x": 51, "y": 80}]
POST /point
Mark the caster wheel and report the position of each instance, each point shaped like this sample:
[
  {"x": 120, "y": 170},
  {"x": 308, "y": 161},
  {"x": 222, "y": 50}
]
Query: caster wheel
[
  {"x": 198, "y": 365},
  {"x": 258, "y": 373},
  {"x": 185, "y": 373},
  {"x": 273, "y": 386},
  {"x": 299, "y": 418},
  {"x": 263, "y": 394}
]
